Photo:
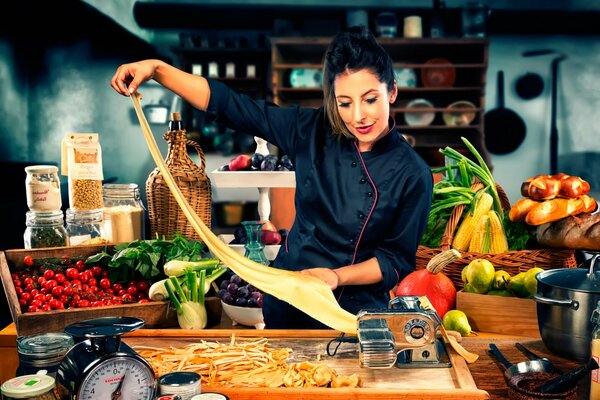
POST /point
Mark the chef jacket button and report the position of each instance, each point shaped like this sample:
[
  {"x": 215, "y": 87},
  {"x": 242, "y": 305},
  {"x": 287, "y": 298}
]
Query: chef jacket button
[
  {"x": 361, "y": 215},
  {"x": 354, "y": 164},
  {"x": 363, "y": 180},
  {"x": 351, "y": 241},
  {"x": 370, "y": 194}
]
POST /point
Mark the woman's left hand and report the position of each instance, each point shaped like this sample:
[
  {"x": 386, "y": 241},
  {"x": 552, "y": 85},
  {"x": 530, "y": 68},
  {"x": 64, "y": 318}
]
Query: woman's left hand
[{"x": 325, "y": 274}]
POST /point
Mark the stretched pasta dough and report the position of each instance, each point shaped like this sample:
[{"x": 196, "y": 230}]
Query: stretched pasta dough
[{"x": 307, "y": 293}]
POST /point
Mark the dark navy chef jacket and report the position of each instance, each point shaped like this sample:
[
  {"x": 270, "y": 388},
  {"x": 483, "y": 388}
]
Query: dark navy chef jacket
[{"x": 350, "y": 205}]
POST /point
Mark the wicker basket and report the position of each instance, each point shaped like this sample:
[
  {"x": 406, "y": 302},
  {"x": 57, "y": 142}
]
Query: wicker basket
[
  {"x": 166, "y": 218},
  {"x": 512, "y": 262}
]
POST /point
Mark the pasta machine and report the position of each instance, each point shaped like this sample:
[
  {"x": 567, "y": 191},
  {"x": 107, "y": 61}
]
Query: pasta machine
[{"x": 403, "y": 335}]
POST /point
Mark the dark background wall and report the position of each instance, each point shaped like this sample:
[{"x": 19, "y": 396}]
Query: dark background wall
[{"x": 57, "y": 82}]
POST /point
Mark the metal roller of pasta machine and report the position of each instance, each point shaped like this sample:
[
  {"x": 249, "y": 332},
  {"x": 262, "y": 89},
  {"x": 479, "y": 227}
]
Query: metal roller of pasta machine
[{"x": 403, "y": 335}]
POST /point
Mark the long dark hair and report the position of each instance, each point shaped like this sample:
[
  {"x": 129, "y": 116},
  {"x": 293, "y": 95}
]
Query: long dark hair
[{"x": 352, "y": 50}]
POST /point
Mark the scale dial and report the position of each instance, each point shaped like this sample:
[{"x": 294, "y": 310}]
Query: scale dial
[{"x": 123, "y": 377}]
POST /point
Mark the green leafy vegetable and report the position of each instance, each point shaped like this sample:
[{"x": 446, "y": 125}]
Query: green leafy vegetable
[
  {"x": 145, "y": 259},
  {"x": 520, "y": 236}
]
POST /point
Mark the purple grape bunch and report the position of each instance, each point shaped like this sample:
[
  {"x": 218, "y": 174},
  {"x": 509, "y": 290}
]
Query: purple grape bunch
[{"x": 237, "y": 292}]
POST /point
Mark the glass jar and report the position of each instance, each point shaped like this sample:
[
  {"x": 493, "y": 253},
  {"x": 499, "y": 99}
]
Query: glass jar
[
  {"x": 45, "y": 230},
  {"x": 254, "y": 245},
  {"x": 84, "y": 225},
  {"x": 123, "y": 212},
  {"x": 42, "y": 187},
  {"x": 31, "y": 387},
  {"x": 42, "y": 352}
]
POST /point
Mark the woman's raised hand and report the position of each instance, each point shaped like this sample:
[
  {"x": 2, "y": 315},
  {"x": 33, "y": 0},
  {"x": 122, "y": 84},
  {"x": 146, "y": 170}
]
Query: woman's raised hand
[{"x": 130, "y": 76}]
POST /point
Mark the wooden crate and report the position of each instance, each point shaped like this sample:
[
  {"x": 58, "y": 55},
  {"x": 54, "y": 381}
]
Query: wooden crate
[
  {"x": 155, "y": 314},
  {"x": 497, "y": 314}
]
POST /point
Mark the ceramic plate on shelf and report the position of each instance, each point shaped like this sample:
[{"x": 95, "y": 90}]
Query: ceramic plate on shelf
[
  {"x": 405, "y": 77},
  {"x": 438, "y": 72},
  {"x": 460, "y": 113},
  {"x": 416, "y": 117}
]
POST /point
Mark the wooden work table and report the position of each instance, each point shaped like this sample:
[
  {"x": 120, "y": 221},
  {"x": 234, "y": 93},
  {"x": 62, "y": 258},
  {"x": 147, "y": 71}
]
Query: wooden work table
[{"x": 486, "y": 372}]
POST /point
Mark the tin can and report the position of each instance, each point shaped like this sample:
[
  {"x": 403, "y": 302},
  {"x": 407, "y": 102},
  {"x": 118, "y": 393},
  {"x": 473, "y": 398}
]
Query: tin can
[{"x": 183, "y": 384}]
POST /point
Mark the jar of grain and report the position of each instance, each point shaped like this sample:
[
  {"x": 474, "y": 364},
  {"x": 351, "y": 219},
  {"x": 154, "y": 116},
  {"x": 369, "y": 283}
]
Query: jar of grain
[
  {"x": 42, "y": 188},
  {"x": 123, "y": 212},
  {"x": 84, "y": 225},
  {"x": 45, "y": 229}
]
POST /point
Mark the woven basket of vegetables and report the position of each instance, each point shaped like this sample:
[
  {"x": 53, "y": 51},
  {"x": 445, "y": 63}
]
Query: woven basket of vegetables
[{"x": 468, "y": 214}]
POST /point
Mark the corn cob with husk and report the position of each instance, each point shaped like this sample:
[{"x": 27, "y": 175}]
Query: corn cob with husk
[{"x": 464, "y": 234}]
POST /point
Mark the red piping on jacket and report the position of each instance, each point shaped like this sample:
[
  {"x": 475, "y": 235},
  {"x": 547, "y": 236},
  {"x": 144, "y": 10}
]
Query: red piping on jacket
[{"x": 372, "y": 208}]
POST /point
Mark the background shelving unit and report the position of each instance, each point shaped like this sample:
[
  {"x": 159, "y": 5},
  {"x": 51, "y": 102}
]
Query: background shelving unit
[{"x": 469, "y": 57}]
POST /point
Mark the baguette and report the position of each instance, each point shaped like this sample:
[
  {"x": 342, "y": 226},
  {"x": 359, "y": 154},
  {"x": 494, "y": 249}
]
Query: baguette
[
  {"x": 553, "y": 210},
  {"x": 521, "y": 208},
  {"x": 580, "y": 232}
]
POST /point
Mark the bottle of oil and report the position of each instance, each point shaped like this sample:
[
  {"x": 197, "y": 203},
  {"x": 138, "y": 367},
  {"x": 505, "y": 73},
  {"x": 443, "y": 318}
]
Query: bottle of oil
[{"x": 595, "y": 379}]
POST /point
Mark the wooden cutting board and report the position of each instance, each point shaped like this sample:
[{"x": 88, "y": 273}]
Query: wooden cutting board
[{"x": 394, "y": 383}]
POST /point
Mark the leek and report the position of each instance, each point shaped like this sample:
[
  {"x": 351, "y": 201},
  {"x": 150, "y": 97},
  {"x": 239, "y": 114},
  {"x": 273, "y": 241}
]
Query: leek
[{"x": 191, "y": 313}]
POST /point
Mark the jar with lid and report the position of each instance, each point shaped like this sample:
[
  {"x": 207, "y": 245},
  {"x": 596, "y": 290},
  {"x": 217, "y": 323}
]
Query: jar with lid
[
  {"x": 123, "y": 212},
  {"x": 42, "y": 352},
  {"x": 84, "y": 225},
  {"x": 42, "y": 187},
  {"x": 45, "y": 230},
  {"x": 32, "y": 387}
]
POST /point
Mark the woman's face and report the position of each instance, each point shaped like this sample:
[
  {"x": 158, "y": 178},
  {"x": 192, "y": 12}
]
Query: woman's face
[{"x": 364, "y": 105}]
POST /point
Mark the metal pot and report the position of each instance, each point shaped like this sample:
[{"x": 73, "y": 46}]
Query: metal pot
[{"x": 565, "y": 300}]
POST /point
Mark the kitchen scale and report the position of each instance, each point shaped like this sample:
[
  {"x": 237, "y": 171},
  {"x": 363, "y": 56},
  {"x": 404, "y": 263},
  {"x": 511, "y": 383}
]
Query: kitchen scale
[{"x": 100, "y": 366}]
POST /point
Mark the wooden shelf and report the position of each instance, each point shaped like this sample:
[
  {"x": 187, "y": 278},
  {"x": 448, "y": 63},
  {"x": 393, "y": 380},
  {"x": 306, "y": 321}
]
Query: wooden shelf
[{"x": 468, "y": 56}]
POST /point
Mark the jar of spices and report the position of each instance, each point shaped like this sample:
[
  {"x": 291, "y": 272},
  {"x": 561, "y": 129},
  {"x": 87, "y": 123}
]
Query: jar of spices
[
  {"x": 32, "y": 387},
  {"x": 45, "y": 230},
  {"x": 44, "y": 351},
  {"x": 42, "y": 187},
  {"x": 123, "y": 212},
  {"x": 84, "y": 225}
]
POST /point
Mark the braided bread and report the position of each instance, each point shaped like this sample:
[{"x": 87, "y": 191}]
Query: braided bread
[{"x": 546, "y": 187}]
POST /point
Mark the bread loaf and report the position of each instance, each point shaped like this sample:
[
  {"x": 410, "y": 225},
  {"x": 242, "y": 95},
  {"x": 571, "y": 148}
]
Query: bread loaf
[
  {"x": 574, "y": 232},
  {"x": 519, "y": 210},
  {"x": 553, "y": 210},
  {"x": 546, "y": 187}
]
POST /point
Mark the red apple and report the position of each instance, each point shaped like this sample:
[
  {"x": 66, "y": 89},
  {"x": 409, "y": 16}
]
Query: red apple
[
  {"x": 240, "y": 163},
  {"x": 271, "y": 237},
  {"x": 268, "y": 226}
]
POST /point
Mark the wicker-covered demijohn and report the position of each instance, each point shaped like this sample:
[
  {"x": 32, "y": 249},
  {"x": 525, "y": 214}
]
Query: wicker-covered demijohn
[
  {"x": 166, "y": 217},
  {"x": 512, "y": 262}
]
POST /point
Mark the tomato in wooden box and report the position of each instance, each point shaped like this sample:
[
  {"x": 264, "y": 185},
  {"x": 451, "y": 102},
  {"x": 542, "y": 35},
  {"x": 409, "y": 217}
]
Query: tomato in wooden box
[
  {"x": 498, "y": 314},
  {"x": 156, "y": 314}
]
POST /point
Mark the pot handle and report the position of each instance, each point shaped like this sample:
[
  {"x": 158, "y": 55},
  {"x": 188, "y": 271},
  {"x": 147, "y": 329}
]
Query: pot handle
[{"x": 574, "y": 304}]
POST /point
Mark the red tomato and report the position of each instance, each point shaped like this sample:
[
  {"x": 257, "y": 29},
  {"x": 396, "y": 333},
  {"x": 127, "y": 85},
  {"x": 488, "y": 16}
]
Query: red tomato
[
  {"x": 58, "y": 291},
  {"x": 132, "y": 290},
  {"x": 60, "y": 278},
  {"x": 80, "y": 265},
  {"x": 105, "y": 283},
  {"x": 96, "y": 270},
  {"x": 142, "y": 300},
  {"x": 28, "y": 261},
  {"x": 72, "y": 273},
  {"x": 48, "y": 274},
  {"x": 143, "y": 286}
]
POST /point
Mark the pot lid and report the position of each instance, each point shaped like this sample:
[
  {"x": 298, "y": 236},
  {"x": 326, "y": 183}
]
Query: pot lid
[{"x": 579, "y": 279}]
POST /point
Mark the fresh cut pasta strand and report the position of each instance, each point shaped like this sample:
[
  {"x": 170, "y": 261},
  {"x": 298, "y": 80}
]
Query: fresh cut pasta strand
[{"x": 307, "y": 293}]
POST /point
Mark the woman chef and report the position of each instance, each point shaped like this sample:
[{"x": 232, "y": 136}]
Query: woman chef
[{"x": 362, "y": 193}]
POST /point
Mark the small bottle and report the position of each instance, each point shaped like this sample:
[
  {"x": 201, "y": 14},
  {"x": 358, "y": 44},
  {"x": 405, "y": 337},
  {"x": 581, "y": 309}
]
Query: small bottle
[
  {"x": 595, "y": 381},
  {"x": 45, "y": 230},
  {"x": 84, "y": 225},
  {"x": 44, "y": 351},
  {"x": 42, "y": 187},
  {"x": 123, "y": 212},
  {"x": 175, "y": 124}
]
